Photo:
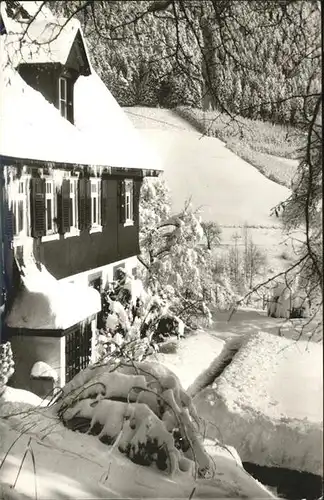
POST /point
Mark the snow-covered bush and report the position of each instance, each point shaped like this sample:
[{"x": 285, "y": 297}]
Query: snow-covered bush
[
  {"x": 134, "y": 320},
  {"x": 140, "y": 408},
  {"x": 288, "y": 301},
  {"x": 6, "y": 364}
]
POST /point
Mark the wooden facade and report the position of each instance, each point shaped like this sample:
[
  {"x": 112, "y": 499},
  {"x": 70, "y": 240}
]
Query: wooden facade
[
  {"x": 71, "y": 255},
  {"x": 68, "y": 251}
]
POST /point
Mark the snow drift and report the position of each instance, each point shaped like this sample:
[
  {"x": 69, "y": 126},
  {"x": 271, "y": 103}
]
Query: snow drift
[
  {"x": 71, "y": 464},
  {"x": 267, "y": 403}
]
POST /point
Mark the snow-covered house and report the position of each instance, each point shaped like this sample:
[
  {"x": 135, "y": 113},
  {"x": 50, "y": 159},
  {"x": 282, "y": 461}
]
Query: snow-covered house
[{"x": 72, "y": 165}]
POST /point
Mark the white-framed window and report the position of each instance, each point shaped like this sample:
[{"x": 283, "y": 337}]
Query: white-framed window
[
  {"x": 49, "y": 206},
  {"x": 74, "y": 203},
  {"x": 95, "y": 202},
  {"x": 129, "y": 208},
  {"x": 19, "y": 207},
  {"x": 63, "y": 96}
]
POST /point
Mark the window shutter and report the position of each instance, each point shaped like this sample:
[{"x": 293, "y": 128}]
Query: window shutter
[
  {"x": 84, "y": 203},
  {"x": 9, "y": 228},
  {"x": 81, "y": 203},
  {"x": 38, "y": 215},
  {"x": 136, "y": 199},
  {"x": 88, "y": 203},
  {"x": 70, "y": 113},
  {"x": 63, "y": 207},
  {"x": 121, "y": 200},
  {"x": 104, "y": 202}
]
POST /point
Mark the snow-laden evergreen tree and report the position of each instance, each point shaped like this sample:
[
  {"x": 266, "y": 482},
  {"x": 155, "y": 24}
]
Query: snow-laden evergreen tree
[{"x": 177, "y": 265}]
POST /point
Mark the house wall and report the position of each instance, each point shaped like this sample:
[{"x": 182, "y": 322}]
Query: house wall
[
  {"x": 80, "y": 251},
  {"x": 27, "y": 350},
  {"x": 105, "y": 273},
  {"x": 69, "y": 255}
]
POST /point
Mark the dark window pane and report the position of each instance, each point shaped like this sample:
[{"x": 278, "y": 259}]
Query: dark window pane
[
  {"x": 63, "y": 108},
  {"x": 94, "y": 208},
  {"x": 20, "y": 215},
  {"x": 63, "y": 89},
  {"x": 49, "y": 214},
  {"x": 72, "y": 222},
  {"x": 12, "y": 217}
]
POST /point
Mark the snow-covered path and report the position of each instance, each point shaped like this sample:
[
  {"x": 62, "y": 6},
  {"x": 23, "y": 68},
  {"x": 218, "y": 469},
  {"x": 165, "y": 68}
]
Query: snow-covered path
[
  {"x": 194, "y": 354},
  {"x": 197, "y": 351}
]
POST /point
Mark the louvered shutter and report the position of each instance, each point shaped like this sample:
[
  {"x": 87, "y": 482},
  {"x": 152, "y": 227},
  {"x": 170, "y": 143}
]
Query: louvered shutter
[
  {"x": 136, "y": 199},
  {"x": 87, "y": 203},
  {"x": 84, "y": 203},
  {"x": 104, "y": 202},
  {"x": 81, "y": 203},
  {"x": 38, "y": 214},
  {"x": 63, "y": 207},
  {"x": 9, "y": 221},
  {"x": 121, "y": 201}
]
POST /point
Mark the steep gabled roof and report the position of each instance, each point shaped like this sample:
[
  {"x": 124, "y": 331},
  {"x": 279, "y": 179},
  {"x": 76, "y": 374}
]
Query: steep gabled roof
[
  {"x": 32, "y": 128},
  {"x": 17, "y": 14},
  {"x": 47, "y": 42}
]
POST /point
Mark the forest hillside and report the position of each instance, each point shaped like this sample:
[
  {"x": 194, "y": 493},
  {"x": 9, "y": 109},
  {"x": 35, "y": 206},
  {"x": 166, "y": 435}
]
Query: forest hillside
[{"x": 243, "y": 57}]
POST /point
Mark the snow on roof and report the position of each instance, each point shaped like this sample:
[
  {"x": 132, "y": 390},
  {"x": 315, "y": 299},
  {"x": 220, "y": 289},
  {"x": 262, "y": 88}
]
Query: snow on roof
[
  {"x": 44, "y": 303},
  {"x": 37, "y": 8},
  {"x": 103, "y": 134},
  {"x": 46, "y": 41},
  {"x": 98, "y": 115},
  {"x": 32, "y": 128},
  {"x": 18, "y": 23}
]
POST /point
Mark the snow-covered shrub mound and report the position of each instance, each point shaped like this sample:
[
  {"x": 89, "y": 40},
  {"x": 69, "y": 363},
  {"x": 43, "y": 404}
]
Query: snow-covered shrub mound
[
  {"x": 142, "y": 409},
  {"x": 267, "y": 403}
]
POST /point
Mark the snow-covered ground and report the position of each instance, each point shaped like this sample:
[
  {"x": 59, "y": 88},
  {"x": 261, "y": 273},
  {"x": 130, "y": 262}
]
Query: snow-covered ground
[
  {"x": 268, "y": 403},
  {"x": 193, "y": 355},
  {"x": 229, "y": 190},
  {"x": 197, "y": 351},
  {"x": 62, "y": 463},
  {"x": 74, "y": 465}
]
